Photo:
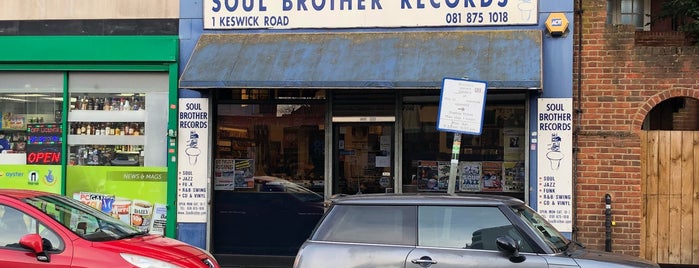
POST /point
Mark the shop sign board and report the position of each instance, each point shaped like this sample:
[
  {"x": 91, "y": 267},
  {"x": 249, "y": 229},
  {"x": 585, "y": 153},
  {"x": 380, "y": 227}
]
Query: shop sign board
[
  {"x": 192, "y": 166},
  {"x": 555, "y": 165},
  {"x": 461, "y": 106},
  {"x": 288, "y": 14}
]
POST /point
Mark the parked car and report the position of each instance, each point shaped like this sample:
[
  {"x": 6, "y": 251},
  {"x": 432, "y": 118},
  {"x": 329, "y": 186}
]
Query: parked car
[
  {"x": 443, "y": 231},
  {"x": 39, "y": 229}
]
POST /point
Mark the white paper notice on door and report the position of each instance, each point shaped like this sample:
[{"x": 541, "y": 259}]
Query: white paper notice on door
[{"x": 383, "y": 161}]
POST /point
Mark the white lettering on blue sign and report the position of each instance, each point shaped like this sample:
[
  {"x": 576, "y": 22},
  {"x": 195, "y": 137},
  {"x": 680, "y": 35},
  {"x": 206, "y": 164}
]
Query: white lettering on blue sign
[{"x": 245, "y": 14}]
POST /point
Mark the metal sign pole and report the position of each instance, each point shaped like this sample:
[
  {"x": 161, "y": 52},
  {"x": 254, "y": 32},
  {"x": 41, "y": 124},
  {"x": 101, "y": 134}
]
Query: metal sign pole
[{"x": 455, "y": 149}]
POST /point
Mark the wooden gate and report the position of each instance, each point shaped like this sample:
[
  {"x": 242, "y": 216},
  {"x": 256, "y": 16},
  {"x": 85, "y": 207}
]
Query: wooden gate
[{"x": 670, "y": 203}]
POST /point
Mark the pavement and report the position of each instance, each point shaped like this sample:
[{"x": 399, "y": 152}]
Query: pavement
[{"x": 241, "y": 261}]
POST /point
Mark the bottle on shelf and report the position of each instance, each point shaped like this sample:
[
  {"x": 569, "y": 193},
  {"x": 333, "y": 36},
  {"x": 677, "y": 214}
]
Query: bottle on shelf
[
  {"x": 136, "y": 103},
  {"x": 127, "y": 105},
  {"x": 107, "y": 104},
  {"x": 83, "y": 103}
]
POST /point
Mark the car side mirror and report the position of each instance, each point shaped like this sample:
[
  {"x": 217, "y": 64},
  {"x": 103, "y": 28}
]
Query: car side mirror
[
  {"x": 34, "y": 243},
  {"x": 510, "y": 247}
]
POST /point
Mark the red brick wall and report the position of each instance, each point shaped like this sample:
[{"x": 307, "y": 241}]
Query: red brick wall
[{"x": 621, "y": 83}]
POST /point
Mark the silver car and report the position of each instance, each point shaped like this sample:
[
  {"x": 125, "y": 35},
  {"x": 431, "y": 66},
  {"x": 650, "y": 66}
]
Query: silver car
[{"x": 443, "y": 231}]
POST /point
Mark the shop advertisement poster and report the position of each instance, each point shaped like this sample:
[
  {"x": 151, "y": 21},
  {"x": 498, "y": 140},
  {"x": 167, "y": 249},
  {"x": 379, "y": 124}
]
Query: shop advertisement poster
[
  {"x": 45, "y": 178},
  {"x": 513, "y": 177},
  {"x": 427, "y": 175},
  {"x": 514, "y": 143},
  {"x": 244, "y": 171},
  {"x": 230, "y": 174},
  {"x": 469, "y": 176},
  {"x": 130, "y": 194},
  {"x": 224, "y": 174},
  {"x": 192, "y": 166},
  {"x": 555, "y": 165},
  {"x": 491, "y": 176},
  {"x": 227, "y": 14}
]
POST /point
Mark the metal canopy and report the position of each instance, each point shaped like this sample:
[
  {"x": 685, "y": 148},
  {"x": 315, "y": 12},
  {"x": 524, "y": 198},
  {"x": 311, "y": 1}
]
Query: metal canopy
[{"x": 503, "y": 59}]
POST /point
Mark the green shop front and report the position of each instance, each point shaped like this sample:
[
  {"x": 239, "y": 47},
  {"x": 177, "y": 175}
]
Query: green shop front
[{"x": 86, "y": 116}]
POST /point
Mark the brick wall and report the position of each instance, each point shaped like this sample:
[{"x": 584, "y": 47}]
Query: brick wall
[{"x": 621, "y": 82}]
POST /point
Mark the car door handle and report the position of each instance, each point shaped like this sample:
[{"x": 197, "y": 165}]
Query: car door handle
[{"x": 424, "y": 261}]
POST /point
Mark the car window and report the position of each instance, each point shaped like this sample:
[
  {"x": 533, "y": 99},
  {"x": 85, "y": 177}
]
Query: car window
[
  {"x": 369, "y": 224},
  {"x": 465, "y": 227},
  {"x": 81, "y": 219},
  {"x": 14, "y": 224},
  {"x": 542, "y": 228}
]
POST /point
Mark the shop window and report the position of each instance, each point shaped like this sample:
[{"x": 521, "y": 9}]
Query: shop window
[
  {"x": 111, "y": 116},
  {"x": 30, "y": 101},
  {"x": 268, "y": 168},
  {"x": 629, "y": 12},
  {"x": 490, "y": 162}
]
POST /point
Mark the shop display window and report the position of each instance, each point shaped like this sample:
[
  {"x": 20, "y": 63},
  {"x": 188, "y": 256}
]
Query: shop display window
[
  {"x": 30, "y": 117},
  {"x": 269, "y": 165},
  {"x": 279, "y": 140},
  {"x": 490, "y": 162},
  {"x": 111, "y": 115}
]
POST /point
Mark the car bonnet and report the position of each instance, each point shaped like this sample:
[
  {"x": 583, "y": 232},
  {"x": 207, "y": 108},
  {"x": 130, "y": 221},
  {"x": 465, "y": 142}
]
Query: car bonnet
[
  {"x": 153, "y": 246},
  {"x": 594, "y": 258}
]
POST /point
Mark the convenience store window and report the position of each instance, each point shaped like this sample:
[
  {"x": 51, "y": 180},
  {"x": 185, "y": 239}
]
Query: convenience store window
[
  {"x": 30, "y": 100},
  {"x": 111, "y": 116},
  {"x": 117, "y": 158},
  {"x": 492, "y": 162}
]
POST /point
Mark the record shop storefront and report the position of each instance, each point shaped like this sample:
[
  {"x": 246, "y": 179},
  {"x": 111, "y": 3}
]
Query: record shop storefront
[{"x": 305, "y": 115}]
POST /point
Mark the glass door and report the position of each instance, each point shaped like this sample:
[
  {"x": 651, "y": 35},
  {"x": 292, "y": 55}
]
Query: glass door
[{"x": 363, "y": 158}]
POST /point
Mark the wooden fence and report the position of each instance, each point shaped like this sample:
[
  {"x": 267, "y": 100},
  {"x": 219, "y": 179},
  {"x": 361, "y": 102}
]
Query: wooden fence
[{"x": 670, "y": 204}]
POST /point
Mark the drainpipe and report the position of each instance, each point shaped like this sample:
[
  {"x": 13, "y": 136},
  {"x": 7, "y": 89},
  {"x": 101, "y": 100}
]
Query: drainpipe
[{"x": 578, "y": 111}]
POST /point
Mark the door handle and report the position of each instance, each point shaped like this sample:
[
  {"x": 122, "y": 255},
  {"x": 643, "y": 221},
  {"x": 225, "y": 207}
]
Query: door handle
[{"x": 424, "y": 261}]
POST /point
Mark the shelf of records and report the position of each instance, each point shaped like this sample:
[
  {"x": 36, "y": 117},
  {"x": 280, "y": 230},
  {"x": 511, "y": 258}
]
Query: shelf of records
[{"x": 472, "y": 176}]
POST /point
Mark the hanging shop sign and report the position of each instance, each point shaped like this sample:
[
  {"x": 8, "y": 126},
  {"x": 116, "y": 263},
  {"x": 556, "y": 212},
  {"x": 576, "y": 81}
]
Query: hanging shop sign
[{"x": 286, "y": 14}]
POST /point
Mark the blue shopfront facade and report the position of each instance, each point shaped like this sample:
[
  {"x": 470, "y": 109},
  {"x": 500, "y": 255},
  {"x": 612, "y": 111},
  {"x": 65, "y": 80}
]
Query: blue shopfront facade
[{"x": 376, "y": 67}]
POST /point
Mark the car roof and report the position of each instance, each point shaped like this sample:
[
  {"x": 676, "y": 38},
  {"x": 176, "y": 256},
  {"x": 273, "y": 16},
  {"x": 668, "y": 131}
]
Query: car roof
[
  {"x": 426, "y": 199},
  {"x": 21, "y": 194}
]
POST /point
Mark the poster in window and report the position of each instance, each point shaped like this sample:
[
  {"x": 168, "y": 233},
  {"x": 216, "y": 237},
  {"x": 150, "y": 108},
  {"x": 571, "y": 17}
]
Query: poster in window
[
  {"x": 443, "y": 175},
  {"x": 427, "y": 175},
  {"x": 244, "y": 172},
  {"x": 491, "y": 178},
  {"x": 469, "y": 176},
  {"x": 224, "y": 174},
  {"x": 513, "y": 173},
  {"x": 514, "y": 143}
]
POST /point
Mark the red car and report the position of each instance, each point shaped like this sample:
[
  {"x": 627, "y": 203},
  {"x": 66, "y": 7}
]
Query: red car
[{"x": 39, "y": 229}]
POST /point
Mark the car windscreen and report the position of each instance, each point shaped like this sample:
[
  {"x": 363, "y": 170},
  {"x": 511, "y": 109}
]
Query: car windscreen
[
  {"x": 83, "y": 220},
  {"x": 542, "y": 228}
]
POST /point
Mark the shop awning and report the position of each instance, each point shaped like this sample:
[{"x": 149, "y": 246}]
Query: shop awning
[{"x": 504, "y": 59}]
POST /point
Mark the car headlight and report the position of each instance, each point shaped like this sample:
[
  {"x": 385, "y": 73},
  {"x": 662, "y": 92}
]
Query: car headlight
[{"x": 146, "y": 262}]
